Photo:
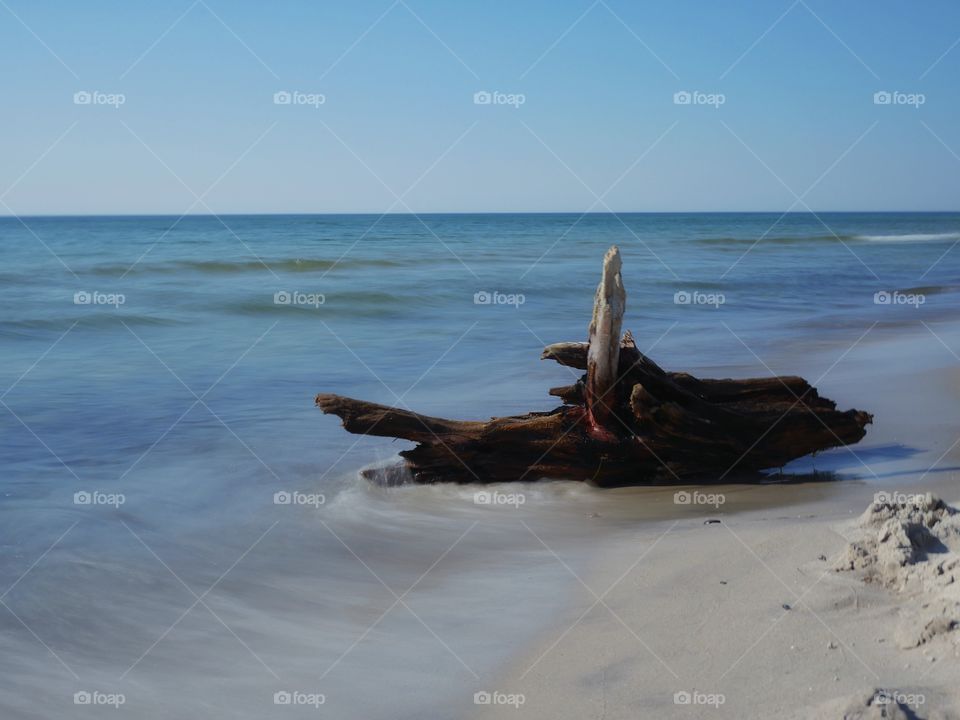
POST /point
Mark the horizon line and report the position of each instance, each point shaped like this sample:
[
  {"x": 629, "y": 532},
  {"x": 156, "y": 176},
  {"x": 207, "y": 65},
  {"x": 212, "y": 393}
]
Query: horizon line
[{"x": 17, "y": 216}]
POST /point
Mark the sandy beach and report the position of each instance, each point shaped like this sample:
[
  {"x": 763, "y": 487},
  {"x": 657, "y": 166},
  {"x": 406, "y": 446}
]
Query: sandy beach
[
  {"x": 745, "y": 614},
  {"x": 741, "y": 610}
]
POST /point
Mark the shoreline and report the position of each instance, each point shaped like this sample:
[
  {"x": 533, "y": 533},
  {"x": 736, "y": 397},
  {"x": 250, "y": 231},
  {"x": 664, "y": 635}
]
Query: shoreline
[
  {"x": 750, "y": 607},
  {"x": 751, "y": 613}
]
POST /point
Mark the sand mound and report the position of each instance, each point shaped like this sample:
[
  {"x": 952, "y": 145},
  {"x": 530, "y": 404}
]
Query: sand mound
[
  {"x": 878, "y": 704},
  {"x": 911, "y": 544}
]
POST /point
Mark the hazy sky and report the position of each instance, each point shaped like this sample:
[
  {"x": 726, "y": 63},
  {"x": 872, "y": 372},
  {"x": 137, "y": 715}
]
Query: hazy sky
[{"x": 786, "y": 108}]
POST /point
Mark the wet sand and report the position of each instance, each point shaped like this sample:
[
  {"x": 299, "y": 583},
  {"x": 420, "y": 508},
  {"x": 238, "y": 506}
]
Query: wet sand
[{"x": 737, "y": 607}]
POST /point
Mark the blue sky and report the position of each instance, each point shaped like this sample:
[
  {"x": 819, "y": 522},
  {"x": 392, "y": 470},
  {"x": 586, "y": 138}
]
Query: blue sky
[{"x": 598, "y": 117}]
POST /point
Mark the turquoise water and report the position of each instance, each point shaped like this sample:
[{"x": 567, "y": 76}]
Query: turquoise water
[{"x": 185, "y": 387}]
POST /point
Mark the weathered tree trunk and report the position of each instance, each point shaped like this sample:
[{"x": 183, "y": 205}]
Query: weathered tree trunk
[
  {"x": 626, "y": 421},
  {"x": 603, "y": 349}
]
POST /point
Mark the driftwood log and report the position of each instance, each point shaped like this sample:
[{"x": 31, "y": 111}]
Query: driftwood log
[{"x": 625, "y": 421}]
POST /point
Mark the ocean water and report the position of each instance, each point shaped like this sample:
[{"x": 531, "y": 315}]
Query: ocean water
[{"x": 157, "y": 385}]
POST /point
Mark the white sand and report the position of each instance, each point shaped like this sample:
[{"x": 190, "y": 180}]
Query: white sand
[
  {"x": 911, "y": 544},
  {"x": 700, "y": 609},
  {"x": 751, "y": 617}
]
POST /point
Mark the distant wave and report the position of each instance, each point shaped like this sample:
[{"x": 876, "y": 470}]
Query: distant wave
[
  {"x": 242, "y": 266},
  {"x": 928, "y": 289},
  {"x": 915, "y": 237},
  {"x": 344, "y": 304},
  {"x": 699, "y": 285},
  {"x": 107, "y": 319},
  {"x": 786, "y": 240},
  {"x": 804, "y": 239}
]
